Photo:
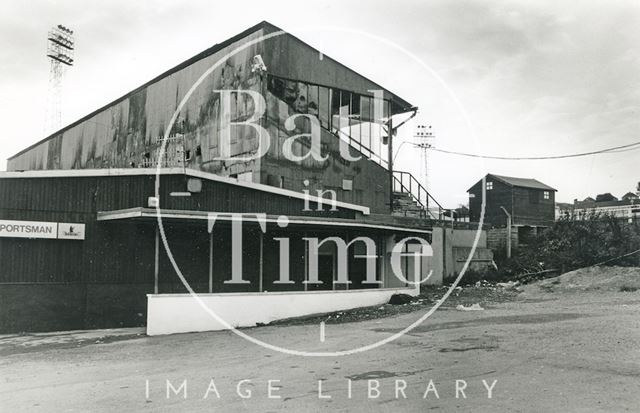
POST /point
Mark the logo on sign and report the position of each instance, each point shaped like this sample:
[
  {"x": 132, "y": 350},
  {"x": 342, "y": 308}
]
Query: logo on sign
[{"x": 70, "y": 231}]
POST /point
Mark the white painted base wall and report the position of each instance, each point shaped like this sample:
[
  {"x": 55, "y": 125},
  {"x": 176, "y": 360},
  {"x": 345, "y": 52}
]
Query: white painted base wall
[{"x": 182, "y": 313}]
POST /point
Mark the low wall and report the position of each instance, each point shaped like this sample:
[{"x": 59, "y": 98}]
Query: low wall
[
  {"x": 182, "y": 313},
  {"x": 451, "y": 249}
]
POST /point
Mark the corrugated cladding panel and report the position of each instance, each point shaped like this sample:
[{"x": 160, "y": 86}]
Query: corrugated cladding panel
[{"x": 112, "y": 252}]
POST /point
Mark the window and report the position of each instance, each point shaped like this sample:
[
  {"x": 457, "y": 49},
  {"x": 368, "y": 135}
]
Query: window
[
  {"x": 345, "y": 111},
  {"x": 489, "y": 185},
  {"x": 365, "y": 118},
  {"x": 290, "y": 92},
  {"x": 301, "y": 101},
  {"x": 312, "y": 101},
  {"x": 276, "y": 86},
  {"x": 335, "y": 110},
  {"x": 323, "y": 109},
  {"x": 354, "y": 118},
  {"x": 350, "y": 116},
  {"x": 546, "y": 194}
]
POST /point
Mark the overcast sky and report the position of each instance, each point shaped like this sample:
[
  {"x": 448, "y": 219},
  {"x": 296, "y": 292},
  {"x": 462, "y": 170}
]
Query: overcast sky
[{"x": 547, "y": 78}]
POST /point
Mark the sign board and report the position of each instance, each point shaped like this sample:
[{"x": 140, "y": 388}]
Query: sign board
[
  {"x": 41, "y": 229},
  {"x": 28, "y": 229},
  {"x": 70, "y": 231}
]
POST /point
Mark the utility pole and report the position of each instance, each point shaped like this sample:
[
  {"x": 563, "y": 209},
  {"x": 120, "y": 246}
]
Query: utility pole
[{"x": 508, "y": 231}]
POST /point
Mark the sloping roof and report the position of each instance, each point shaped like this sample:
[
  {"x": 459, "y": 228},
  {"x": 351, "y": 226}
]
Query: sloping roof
[
  {"x": 60, "y": 173},
  {"x": 398, "y": 101},
  {"x": 523, "y": 182},
  {"x": 519, "y": 182},
  {"x": 629, "y": 195}
]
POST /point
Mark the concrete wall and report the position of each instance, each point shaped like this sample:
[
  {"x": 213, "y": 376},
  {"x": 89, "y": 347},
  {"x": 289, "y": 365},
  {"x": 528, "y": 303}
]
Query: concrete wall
[
  {"x": 451, "y": 248},
  {"x": 182, "y": 313}
]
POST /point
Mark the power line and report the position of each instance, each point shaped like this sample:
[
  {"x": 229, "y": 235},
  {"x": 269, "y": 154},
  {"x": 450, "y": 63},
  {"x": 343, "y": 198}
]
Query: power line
[{"x": 631, "y": 146}]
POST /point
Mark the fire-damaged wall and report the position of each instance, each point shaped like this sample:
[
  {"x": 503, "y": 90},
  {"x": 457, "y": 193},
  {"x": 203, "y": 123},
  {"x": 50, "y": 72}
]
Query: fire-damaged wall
[{"x": 129, "y": 132}]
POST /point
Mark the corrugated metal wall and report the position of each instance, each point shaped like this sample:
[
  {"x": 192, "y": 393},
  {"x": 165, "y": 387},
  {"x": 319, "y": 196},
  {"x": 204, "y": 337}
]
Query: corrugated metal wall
[{"x": 49, "y": 284}]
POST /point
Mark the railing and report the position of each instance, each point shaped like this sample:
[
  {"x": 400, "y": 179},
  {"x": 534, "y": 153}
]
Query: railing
[{"x": 406, "y": 183}]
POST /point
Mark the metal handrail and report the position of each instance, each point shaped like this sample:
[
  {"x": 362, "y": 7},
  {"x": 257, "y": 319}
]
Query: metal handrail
[{"x": 407, "y": 183}]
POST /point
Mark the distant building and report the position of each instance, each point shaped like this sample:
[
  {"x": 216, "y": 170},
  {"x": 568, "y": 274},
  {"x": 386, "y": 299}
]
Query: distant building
[
  {"x": 630, "y": 196},
  {"x": 626, "y": 207},
  {"x": 528, "y": 201},
  {"x": 607, "y": 197}
]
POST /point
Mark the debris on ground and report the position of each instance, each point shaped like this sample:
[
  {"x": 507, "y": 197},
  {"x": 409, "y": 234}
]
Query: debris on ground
[
  {"x": 473, "y": 307},
  {"x": 511, "y": 286},
  {"x": 400, "y": 299},
  {"x": 508, "y": 285},
  {"x": 484, "y": 294}
]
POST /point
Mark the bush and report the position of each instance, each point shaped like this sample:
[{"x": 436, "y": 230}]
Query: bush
[{"x": 572, "y": 244}]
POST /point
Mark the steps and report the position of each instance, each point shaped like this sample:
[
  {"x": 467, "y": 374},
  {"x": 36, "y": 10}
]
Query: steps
[
  {"x": 404, "y": 205},
  {"x": 411, "y": 198}
]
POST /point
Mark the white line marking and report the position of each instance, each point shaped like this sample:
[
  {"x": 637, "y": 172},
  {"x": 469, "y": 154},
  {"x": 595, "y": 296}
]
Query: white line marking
[{"x": 322, "y": 331}]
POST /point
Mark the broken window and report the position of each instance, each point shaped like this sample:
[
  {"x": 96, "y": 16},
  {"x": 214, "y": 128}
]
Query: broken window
[
  {"x": 347, "y": 115},
  {"x": 312, "y": 101},
  {"x": 323, "y": 106}
]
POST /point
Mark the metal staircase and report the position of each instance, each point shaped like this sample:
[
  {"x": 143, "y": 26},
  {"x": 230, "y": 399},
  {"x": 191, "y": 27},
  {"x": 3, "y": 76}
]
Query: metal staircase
[{"x": 411, "y": 198}]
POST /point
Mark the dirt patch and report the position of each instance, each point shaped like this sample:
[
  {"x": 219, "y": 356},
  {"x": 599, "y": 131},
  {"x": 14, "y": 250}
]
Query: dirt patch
[
  {"x": 381, "y": 374},
  {"x": 592, "y": 279}
]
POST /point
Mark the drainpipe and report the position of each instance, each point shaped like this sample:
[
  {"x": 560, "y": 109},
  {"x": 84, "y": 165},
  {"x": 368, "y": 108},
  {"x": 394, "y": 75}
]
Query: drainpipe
[{"x": 508, "y": 231}]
